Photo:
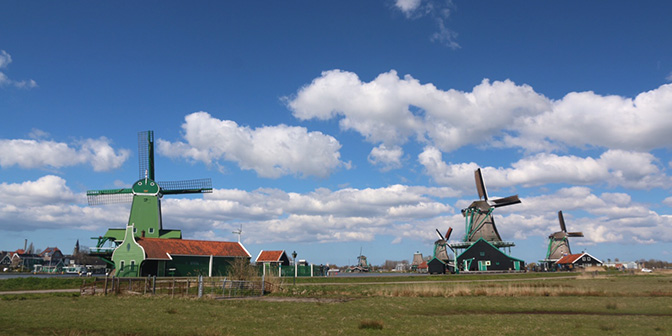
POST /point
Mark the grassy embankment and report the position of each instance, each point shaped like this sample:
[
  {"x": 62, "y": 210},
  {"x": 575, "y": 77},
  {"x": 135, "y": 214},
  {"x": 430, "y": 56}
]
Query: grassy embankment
[{"x": 513, "y": 305}]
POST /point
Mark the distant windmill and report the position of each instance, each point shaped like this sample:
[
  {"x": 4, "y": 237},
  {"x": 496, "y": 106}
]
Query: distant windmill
[
  {"x": 239, "y": 232},
  {"x": 479, "y": 220},
  {"x": 558, "y": 242},
  {"x": 441, "y": 246},
  {"x": 145, "y": 197}
]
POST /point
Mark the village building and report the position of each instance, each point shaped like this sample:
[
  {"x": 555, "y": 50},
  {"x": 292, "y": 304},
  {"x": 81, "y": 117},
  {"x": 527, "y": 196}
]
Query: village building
[
  {"x": 274, "y": 258},
  {"x": 579, "y": 260},
  {"x": 483, "y": 256},
  {"x": 145, "y": 256}
]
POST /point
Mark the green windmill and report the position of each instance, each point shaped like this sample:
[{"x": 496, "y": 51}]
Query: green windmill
[{"x": 145, "y": 197}]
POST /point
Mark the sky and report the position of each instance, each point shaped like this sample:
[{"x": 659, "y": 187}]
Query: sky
[{"x": 334, "y": 127}]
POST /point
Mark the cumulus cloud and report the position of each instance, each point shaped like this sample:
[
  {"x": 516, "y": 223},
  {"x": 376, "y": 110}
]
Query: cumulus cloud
[
  {"x": 386, "y": 158},
  {"x": 28, "y": 153},
  {"x": 614, "y": 167},
  {"x": 48, "y": 203},
  {"x": 323, "y": 215},
  {"x": 587, "y": 119},
  {"x": 5, "y": 59},
  {"x": 391, "y": 110},
  {"x": 271, "y": 151}
]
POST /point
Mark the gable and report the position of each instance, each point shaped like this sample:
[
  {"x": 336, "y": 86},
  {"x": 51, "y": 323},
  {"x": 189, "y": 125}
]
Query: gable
[
  {"x": 270, "y": 256},
  {"x": 483, "y": 246}
]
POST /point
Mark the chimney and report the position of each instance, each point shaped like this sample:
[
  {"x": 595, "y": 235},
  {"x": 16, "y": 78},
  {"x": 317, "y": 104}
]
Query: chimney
[{"x": 142, "y": 233}]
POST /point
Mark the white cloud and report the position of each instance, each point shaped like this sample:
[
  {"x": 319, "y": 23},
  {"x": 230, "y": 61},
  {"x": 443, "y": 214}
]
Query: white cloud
[
  {"x": 587, "y": 119},
  {"x": 407, "y": 6},
  {"x": 668, "y": 201},
  {"x": 48, "y": 203},
  {"x": 614, "y": 167},
  {"x": 271, "y": 151},
  {"x": 271, "y": 215},
  {"x": 438, "y": 11},
  {"x": 5, "y": 59},
  {"x": 391, "y": 110},
  {"x": 387, "y": 158},
  {"x": 45, "y": 153}
]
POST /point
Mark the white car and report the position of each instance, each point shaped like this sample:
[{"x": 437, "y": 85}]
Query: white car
[{"x": 646, "y": 270}]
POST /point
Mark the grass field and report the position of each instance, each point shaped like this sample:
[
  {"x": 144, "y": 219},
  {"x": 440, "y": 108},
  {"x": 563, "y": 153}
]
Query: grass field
[{"x": 510, "y": 305}]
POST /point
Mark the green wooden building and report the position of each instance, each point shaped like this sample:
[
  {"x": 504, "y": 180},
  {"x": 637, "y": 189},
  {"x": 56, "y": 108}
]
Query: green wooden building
[{"x": 146, "y": 256}]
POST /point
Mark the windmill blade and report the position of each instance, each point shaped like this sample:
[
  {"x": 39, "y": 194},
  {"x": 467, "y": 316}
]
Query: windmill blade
[
  {"x": 480, "y": 185},
  {"x": 197, "y": 186},
  {"x": 505, "y": 201},
  {"x": 575, "y": 234},
  {"x": 450, "y": 230},
  {"x": 146, "y": 154},
  {"x": 440, "y": 235},
  {"x": 109, "y": 196},
  {"x": 561, "y": 218}
]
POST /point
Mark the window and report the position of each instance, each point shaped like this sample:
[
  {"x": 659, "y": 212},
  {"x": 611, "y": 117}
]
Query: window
[
  {"x": 588, "y": 258},
  {"x": 482, "y": 254},
  {"x": 132, "y": 265},
  {"x": 135, "y": 230},
  {"x": 151, "y": 230},
  {"x": 121, "y": 265}
]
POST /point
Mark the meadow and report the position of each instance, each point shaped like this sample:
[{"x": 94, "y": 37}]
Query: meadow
[{"x": 525, "y": 304}]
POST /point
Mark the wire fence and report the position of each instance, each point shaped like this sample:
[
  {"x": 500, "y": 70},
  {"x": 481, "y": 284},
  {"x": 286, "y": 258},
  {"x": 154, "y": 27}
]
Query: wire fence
[{"x": 177, "y": 287}]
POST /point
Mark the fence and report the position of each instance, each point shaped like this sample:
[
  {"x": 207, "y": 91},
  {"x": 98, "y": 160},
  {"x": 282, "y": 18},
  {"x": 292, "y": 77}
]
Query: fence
[
  {"x": 289, "y": 271},
  {"x": 185, "y": 287}
]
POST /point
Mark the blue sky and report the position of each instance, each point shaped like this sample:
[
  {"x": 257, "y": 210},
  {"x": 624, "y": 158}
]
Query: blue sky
[{"x": 327, "y": 127}]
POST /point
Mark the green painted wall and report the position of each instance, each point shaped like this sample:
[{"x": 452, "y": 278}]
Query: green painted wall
[{"x": 128, "y": 256}]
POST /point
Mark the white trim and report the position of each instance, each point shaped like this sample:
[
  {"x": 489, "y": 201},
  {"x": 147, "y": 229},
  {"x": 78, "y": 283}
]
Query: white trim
[
  {"x": 248, "y": 253},
  {"x": 259, "y": 255}
]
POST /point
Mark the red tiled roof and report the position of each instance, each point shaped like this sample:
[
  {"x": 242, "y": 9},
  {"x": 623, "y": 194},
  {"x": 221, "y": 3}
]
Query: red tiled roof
[
  {"x": 569, "y": 259},
  {"x": 49, "y": 250},
  {"x": 423, "y": 264},
  {"x": 269, "y": 256},
  {"x": 159, "y": 248}
]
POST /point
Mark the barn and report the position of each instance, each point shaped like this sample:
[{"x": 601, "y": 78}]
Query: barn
[
  {"x": 483, "y": 256},
  {"x": 579, "y": 260},
  {"x": 145, "y": 256}
]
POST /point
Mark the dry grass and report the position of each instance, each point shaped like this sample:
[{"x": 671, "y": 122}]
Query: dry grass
[{"x": 505, "y": 290}]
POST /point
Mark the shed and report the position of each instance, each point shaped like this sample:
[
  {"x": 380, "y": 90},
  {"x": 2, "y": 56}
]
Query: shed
[
  {"x": 273, "y": 258},
  {"x": 436, "y": 266},
  {"x": 483, "y": 256}
]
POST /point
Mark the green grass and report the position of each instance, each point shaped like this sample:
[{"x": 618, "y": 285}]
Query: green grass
[
  {"x": 35, "y": 283},
  {"x": 622, "y": 305}
]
